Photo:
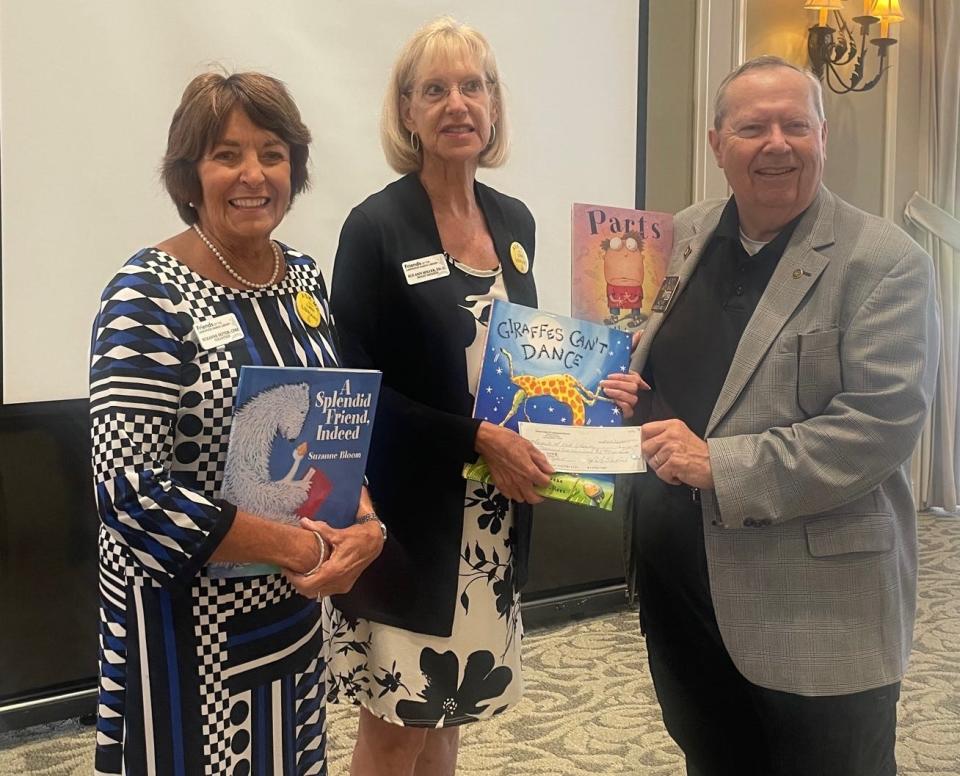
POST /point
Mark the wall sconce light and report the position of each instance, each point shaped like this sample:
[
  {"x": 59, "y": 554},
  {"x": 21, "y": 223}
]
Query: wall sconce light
[{"x": 831, "y": 48}]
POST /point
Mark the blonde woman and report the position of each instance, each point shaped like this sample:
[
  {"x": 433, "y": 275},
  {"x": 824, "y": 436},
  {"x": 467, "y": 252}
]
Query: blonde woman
[{"x": 430, "y": 637}]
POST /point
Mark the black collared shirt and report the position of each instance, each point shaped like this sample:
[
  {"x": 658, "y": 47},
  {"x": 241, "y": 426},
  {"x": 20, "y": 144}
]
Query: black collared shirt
[
  {"x": 687, "y": 366},
  {"x": 694, "y": 346}
]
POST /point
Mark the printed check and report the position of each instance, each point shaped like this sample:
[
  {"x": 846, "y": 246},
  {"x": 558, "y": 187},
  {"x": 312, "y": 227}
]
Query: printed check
[{"x": 594, "y": 449}]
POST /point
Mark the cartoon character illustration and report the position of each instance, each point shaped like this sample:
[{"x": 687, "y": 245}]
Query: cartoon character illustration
[
  {"x": 566, "y": 389},
  {"x": 281, "y": 410},
  {"x": 623, "y": 272},
  {"x": 592, "y": 490}
]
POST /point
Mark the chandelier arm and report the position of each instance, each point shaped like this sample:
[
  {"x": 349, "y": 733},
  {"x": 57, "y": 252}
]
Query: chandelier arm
[
  {"x": 854, "y": 87},
  {"x": 830, "y": 49},
  {"x": 856, "y": 76},
  {"x": 829, "y": 76},
  {"x": 854, "y": 51},
  {"x": 838, "y": 49},
  {"x": 842, "y": 86},
  {"x": 844, "y": 49},
  {"x": 842, "y": 24},
  {"x": 876, "y": 79}
]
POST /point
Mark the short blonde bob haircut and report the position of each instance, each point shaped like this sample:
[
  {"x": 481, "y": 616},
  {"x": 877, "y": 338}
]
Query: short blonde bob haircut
[
  {"x": 201, "y": 117},
  {"x": 443, "y": 39}
]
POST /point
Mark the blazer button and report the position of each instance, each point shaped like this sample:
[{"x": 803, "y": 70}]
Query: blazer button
[{"x": 749, "y": 522}]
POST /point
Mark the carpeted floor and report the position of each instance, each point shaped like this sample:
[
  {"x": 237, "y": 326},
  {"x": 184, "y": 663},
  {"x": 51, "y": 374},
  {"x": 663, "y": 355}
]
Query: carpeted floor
[{"x": 589, "y": 708}]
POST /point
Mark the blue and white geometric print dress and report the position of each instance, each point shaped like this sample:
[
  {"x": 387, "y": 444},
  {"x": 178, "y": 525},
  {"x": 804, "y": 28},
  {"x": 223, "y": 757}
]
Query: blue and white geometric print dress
[
  {"x": 420, "y": 680},
  {"x": 197, "y": 675}
]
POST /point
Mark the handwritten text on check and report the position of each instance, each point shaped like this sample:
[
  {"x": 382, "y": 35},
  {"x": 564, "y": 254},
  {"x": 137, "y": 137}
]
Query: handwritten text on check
[{"x": 593, "y": 449}]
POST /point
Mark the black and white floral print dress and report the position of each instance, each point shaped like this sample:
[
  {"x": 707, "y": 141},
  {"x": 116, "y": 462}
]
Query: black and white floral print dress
[{"x": 421, "y": 680}]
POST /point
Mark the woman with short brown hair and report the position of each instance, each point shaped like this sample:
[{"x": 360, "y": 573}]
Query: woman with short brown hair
[{"x": 202, "y": 673}]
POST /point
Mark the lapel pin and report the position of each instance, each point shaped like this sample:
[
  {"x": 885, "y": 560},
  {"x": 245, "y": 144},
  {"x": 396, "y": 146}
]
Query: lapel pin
[
  {"x": 519, "y": 258},
  {"x": 308, "y": 309},
  {"x": 799, "y": 273}
]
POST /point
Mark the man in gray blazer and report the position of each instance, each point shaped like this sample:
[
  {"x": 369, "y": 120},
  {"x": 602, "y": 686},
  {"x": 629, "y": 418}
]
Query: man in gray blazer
[{"x": 791, "y": 359}]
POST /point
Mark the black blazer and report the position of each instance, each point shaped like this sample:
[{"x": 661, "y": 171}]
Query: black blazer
[{"x": 423, "y": 433}]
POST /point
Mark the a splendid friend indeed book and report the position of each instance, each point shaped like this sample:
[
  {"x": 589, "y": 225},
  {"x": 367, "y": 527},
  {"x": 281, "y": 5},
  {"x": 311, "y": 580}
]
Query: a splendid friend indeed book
[
  {"x": 618, "y": 261},
  {"x": 298, "y": 447},
  {"x": 546, "y": 368}
]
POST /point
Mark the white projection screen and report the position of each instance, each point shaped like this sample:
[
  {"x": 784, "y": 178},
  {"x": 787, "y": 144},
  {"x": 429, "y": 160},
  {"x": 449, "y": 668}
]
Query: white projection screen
[{"x": 87, "y": 89}]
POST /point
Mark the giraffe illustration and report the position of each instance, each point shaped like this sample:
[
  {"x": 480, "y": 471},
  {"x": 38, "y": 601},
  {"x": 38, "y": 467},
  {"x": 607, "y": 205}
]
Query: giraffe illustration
[{"x": 566, "y": 389}]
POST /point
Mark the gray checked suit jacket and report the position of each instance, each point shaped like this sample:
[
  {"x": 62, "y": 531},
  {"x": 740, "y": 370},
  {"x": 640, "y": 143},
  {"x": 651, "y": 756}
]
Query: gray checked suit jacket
[{"x": 811, "y": 529}]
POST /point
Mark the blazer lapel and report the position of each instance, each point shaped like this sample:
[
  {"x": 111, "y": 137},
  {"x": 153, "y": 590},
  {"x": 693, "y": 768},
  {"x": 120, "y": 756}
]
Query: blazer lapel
[
  {"x": 796, "y": 273},
  {"x": 520, "y": 286},
  {"x": 419, "y": 210},
  {"x": 683, "y": 261}
]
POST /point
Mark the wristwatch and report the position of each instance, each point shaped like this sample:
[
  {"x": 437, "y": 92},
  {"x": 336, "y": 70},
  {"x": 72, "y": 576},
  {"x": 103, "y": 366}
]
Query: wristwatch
[{"x": 368, "y": 517}]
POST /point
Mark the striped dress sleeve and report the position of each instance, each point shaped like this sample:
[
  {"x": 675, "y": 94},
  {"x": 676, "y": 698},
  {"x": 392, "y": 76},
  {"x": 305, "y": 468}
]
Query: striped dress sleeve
[{"x": 140, "y": 347}]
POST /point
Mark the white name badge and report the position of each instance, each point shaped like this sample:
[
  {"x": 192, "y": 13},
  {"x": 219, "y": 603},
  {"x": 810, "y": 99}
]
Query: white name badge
[
  {"x": 427, "y": 268},
  {"x": 221, "y": 330}
]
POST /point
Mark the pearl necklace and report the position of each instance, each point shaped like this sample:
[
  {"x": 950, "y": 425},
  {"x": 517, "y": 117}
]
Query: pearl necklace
[{"x": 233, "y": 273}]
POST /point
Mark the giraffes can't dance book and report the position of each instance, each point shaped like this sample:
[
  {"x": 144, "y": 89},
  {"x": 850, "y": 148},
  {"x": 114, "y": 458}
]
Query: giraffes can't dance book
[
  {"x": 298, "y": 447},
  {"x": 618, "y": 261},
  {"x": 546, "y": 368}
]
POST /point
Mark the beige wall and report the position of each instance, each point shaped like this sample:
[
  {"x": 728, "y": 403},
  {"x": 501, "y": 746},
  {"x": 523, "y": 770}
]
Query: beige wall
[
  {"x": 670, "y": 104},
  {"x": 860, "y": 126},
  {"x": 911, "y": 124},
  {"x": 860, "y": 166}
]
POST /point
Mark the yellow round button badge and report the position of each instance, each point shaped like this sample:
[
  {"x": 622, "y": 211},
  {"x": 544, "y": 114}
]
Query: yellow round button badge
[
  {"x": 519, "y": 257},
  {"x": 308, "y": 309}
]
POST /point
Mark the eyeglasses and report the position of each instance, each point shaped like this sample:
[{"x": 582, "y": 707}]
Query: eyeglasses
[
  {"x": 470, "y": 89},
  {"x": 624, "y": 243}
]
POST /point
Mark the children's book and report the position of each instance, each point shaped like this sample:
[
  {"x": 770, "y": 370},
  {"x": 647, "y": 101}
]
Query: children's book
[
  {"x": 618, "y": 261},
  {"x": 546, "y": 368},
  {"x": 298, "y": 447}
]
